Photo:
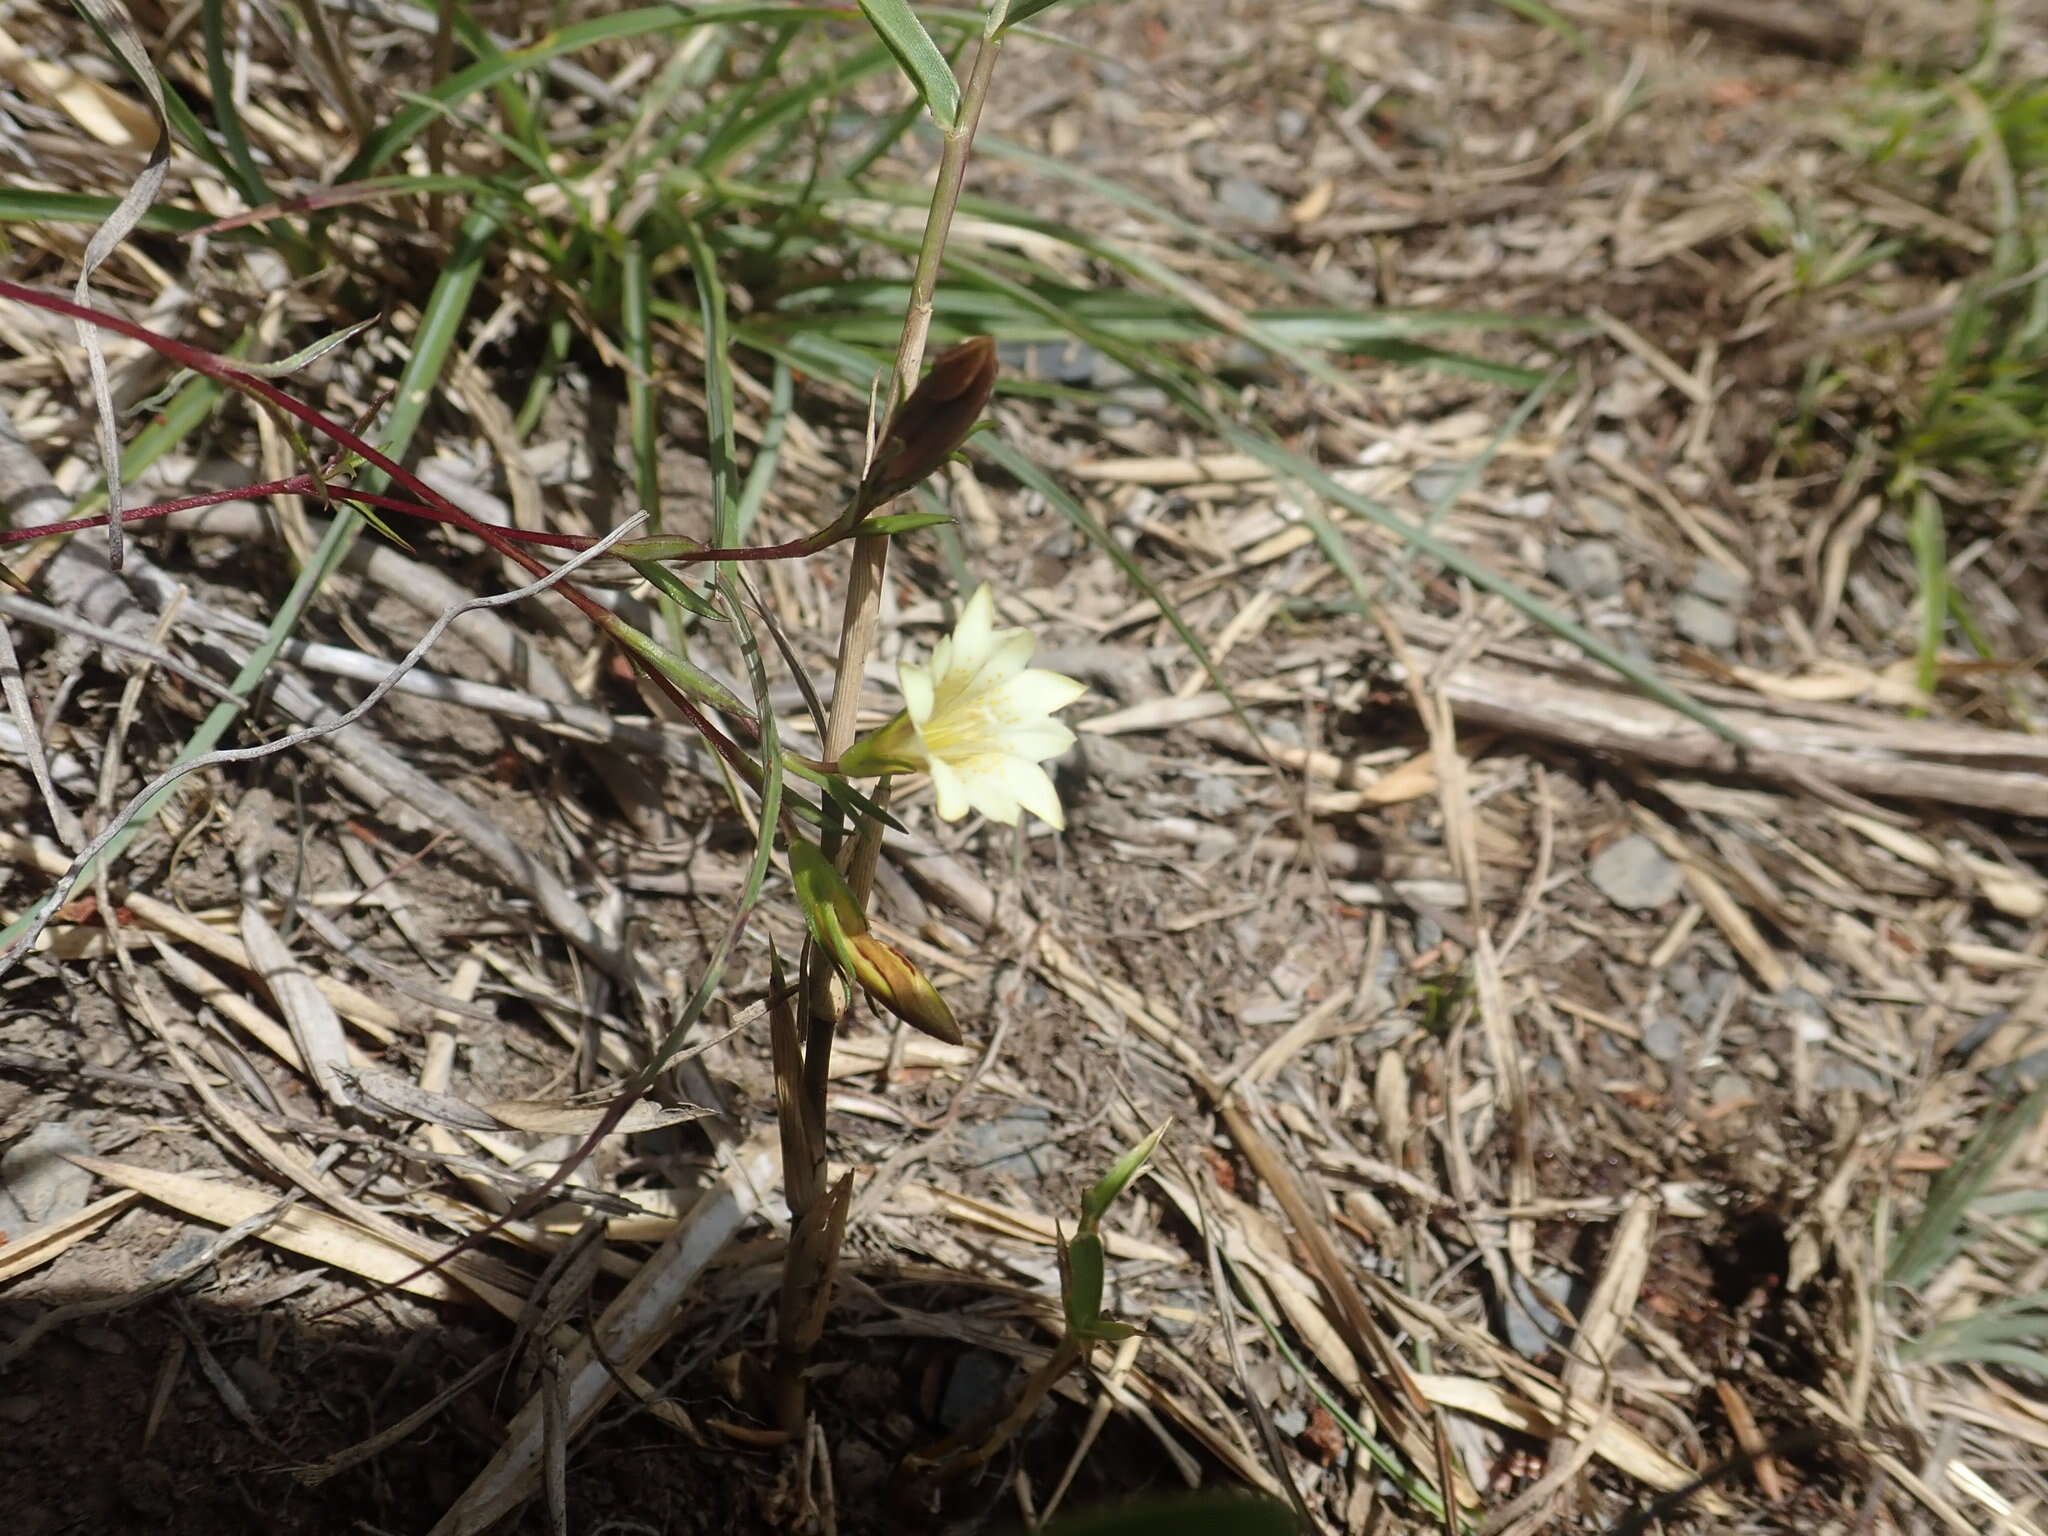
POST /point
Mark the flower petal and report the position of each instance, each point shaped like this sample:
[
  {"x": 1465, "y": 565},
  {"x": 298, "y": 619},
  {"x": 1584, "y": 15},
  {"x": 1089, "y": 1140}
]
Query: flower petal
[
  {"x": 984, "y": 779},
  {"x": 1037, "y": 742},
  {"x": 1009, "y": 654},
  {"x": 948, "y": 790},
  {"x": 1038, "y": 692},
  {"x": 971, "y": 636},
  {"x": 1032, "y": 788},
  {"x": 916, "y": 682}
]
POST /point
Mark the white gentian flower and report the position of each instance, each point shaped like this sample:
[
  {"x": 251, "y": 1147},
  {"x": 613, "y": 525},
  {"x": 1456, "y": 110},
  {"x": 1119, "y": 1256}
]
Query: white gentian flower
[{"x": 979, "y": 720}]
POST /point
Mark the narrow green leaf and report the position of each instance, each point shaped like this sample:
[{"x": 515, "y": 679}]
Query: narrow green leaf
[
  {"x": 637, "y": 337},
  {"x": 1096, "y": 1203},
  {"x": 1022, "y": 11},
  {"x": 26, "y": 204},
  {"x": 903, "y": 522},
  {"x": 918, "y": 56},
  {"x": 768, "y": 452},
  {"x": 487, "y": 72},
  {"x": 1081, "y": 1287},
  {"x": 1934, "y": 1239},
  {"x": 677, "y": 591},
  {"x": 220, "y": 80},
  {"x": 1929, "y": 537}
]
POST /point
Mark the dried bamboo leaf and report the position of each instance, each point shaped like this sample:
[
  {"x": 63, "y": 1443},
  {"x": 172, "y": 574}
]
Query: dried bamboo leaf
[{"x": 311, "y": 1233}]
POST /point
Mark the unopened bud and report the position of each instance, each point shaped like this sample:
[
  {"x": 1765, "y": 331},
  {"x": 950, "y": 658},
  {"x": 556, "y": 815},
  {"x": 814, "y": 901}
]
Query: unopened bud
[
  {"x": 934, "y": 421},
  {"x": 888, "y": 976}
]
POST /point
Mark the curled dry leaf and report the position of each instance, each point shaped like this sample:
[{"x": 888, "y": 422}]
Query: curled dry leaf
[
  {"x": 378, "y": 1092},
  {"x": 387, "y": 1093},
  {"x": 552, "y": 1117}
]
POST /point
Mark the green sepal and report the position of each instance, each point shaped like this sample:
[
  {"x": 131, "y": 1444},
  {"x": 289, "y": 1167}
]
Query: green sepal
[
  {"x": 673, "y": 587},
  {"x": 902, "y": 522},
  {"x": 1098, "y": 1200}
]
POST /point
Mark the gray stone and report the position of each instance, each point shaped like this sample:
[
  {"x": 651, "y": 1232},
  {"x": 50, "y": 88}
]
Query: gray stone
[
  {"x": 1218, "y": 797},
  {"x": 100, "y": 1339},
  {"x": 38, "y": 1177},
  {"x": 1051, "y": 362},
  {"x": 975, "y": 1389},
  {"x": 1289, "y": 124},
  {"x": 1018, "y": 1142},
  {"x": 1291, "y": 1422},
  {"x": 1109, "y": 761},
  {"x": 1603, "y": 515},
  {"x": 1635, "y": 873},
  {"x": 19, "y": 1410},
  {"x": 1586, "y": 567},
  {"x": 1532, "y": 1327},
  {"x": 1730, "y": 1088},
  {"x": 258, "y": 1382},
  {"x": 1250, "y": 202},
  {"x": 1717, "y": 584},
  {"x": 1664, "y": 1038},
  {"x": 1703, "y": 623},
  {"x": 1698, "y": 1002},
  {"x": 1433, "y": 482},
  {"x": 1836, "y": 1075}
]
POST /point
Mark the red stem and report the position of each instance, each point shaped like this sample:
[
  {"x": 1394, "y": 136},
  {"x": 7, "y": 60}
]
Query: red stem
[{"x": 213, "y": 366}]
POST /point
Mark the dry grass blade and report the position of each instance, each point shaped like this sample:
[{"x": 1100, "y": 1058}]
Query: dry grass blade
[
  {"x": 114, "y": 23},
  {"x": 627, "y": 1333}
]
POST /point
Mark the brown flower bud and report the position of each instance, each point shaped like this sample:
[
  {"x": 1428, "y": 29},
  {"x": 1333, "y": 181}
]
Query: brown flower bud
[
  {"x": 889, "y": 977},
  {"x": 934, "y": 421}
]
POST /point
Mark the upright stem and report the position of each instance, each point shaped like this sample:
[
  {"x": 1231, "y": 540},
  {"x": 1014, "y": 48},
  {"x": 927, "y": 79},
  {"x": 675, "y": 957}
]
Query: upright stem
[
  {"x": 819, "y": 996},
  {"x": 871, "y": 553}
]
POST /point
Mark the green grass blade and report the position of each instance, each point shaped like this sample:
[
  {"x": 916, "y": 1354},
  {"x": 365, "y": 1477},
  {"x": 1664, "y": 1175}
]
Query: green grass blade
[
  {"x": 1028, "y": 473},
  {"x": 1380, "y": 1455},
  {"x": 1935, "y": 1238},
  {"x": 1022, "y": 11},
  {"x": 438, "y": 326},
  {"x": 767, "y": 453},
  {"x": 718, "y": 410},
  {"x": 220, "y": 81},
  {"x": 637, "y": 339},
  {"x": 26, "y": 205},
  {"x": 1292, "y": 466},
  {"x": 487, "y": 72},
  {"x": 918, "y": 57},
  {"x": 1928, "y": 537},
  {"x": 181, "y": 416}
]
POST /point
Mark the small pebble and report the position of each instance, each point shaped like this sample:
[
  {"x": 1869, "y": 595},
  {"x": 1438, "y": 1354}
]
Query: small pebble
[
  {"x": 1291, "y": 1422},
  {"x": 1730, "y": 1088},
  {"x": 1602, "y": 515},
  {"x": 1433, "y": 482},
  {"x": 1017, "y": 1143},
  {"x": 1717, "y": 584},
  {"x": 100, "y": 1340},
  {"x": 258, "y": 1383},
  {"x": 974, "y": 1390},
  {"x": 1532, "y": 1327},
  {"x": 39, "y": 1178},
  {"x": 1705, "y": 624},
  {"x": 1635, "y": 873},
  {"x": 1586, "y": 568},
  {"x": 1250, "y": 201},
  {"x": 1664, "y": 1038}
]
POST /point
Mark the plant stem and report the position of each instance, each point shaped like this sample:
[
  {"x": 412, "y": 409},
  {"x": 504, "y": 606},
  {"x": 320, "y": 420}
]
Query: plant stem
[
  {"x": 817, "y": 990},
  {"x": 871, "y": 553}
]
